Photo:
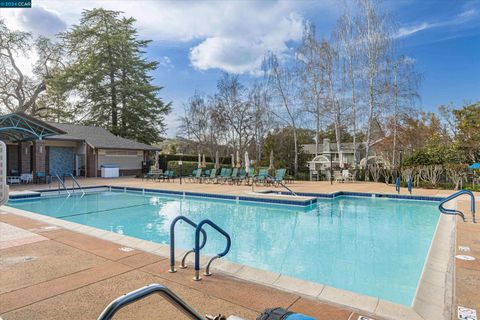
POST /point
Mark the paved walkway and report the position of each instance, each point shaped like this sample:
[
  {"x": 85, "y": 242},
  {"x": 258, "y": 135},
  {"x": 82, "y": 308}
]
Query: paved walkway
[{"x": 73, "y": 276}]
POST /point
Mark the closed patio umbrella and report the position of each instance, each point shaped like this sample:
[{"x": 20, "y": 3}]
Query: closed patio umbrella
[
  {"x": 233, "y": 160},
  {"x": 238, "y": 159},
  {"x": 247, "y": 162},
  {"x": 204, "y": 162},
  {"x": 199, "y": 161},
  {"x": 271, "y": 166},
  {"x": 217, "y": 160},
  {"x": 340, "y": 155}
]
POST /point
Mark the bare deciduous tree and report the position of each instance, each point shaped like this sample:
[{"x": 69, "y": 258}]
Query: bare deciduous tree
[
  {"x": 374, "y": 38},
  {"x": 281, "y": 81},
  {"x": 19, "y": 92},
  {"x": 312, "y": 75}
]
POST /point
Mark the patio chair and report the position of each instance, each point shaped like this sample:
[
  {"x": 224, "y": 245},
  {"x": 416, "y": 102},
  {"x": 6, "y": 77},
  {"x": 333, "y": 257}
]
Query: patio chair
[
  {"x": 13, "y": 180},
  {"x": 279, "y": 176},
  {"x": 337, "y": 176},
  {"x": 231, "y": 177},
  {"x": 242, "y": 175},
  {"x": 224, "y": 176},
  {"x": 347, "y": 176},
  {"x": 190, "y": 177},
  {"x": 153, "y": 174},
  {"x": 170, "y": 175},
  {"x": 26, "y": 178},
  {"x": 211, "y": 177},
  {"x": 198, "y": 176},
  {"x": 42, "y": 176},
  {"x": 250, "y": 176},
  {"x": 167, "y": 175},
  {"x": 262, "y": 176}
]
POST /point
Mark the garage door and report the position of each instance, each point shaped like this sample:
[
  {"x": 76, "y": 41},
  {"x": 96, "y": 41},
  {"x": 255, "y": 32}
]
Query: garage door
[{"x": 61, "y": 160}]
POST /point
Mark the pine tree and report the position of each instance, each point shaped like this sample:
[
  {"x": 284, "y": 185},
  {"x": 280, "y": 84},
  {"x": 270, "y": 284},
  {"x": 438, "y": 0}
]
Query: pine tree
[{"x": 109, "y": 79}]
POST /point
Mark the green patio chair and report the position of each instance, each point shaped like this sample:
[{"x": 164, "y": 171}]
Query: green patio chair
[
  {"x": 211, "y": 177},
  {"x": 226, "y": 175},
  {"x": 242, "y": 175},
  {"x": 232, "y": 177},
  {"x": 250, "y": 176},
  {"x": 279, "y": 176},
  {"x": 262, "y": 176},
  {"x": 198, "y": 176},
  {"x": 170, "y": 175}
]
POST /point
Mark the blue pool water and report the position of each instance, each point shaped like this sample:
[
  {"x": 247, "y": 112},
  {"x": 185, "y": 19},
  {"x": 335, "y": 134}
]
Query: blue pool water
[{"x": 372, "y": 246}]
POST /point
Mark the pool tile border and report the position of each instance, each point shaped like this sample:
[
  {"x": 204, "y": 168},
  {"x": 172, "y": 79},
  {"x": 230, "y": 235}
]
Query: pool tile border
[
  {"x": 424, "y": 307},
  {"x": 295, "y": 202}
]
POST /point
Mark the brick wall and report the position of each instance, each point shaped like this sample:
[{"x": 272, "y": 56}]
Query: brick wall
[
  {"x": 91, "y": 162},
  {"x": 25, "y": 156},
  {"x": 39, "y": 156}
]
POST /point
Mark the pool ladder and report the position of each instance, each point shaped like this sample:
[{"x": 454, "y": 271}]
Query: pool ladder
[
  {"x": 455, "y": 211},
  {"x": 198, "y": 246},
  {"x": 61, "y": 184},
  {"x": 75, "y": 182}
]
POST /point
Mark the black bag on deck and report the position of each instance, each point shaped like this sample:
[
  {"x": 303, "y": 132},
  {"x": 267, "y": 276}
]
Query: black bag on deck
[{"x": 274, "y": 314}]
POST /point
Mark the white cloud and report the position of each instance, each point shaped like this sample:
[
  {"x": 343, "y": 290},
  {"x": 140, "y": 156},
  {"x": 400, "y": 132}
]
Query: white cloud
[
  {"x": 228, "y": 35},
  {"x": 407, "y": 31},
  {"x": 466, "y": 16},
  {"x": 165, "y": 62},
  {"x": 38, "y": 20}
]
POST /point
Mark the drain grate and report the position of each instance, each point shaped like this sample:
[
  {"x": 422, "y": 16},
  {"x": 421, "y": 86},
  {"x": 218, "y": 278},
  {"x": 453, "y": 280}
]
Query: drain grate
[{"x": 126, "y": 249}]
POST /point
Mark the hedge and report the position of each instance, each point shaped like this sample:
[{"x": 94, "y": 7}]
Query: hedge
[
  {"x": 164, "y": 159},
  {"x": 187, "y": 167}
]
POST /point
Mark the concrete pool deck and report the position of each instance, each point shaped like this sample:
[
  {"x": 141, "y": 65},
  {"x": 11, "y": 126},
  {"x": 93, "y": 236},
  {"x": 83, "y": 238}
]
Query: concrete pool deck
[{"x": 347, "y": 302}]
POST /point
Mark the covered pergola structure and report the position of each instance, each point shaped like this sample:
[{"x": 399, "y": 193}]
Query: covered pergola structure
[
  {"x": 24, "y": 136},
  {"x": 17, "y": 127}
]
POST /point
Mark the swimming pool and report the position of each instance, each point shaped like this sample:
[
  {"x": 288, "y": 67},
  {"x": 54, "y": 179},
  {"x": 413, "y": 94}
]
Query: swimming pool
[{"x": 372, "y": 246}]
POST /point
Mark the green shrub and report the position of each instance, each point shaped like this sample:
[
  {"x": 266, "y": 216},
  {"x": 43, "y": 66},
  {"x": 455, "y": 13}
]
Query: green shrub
[
  {"x": 164, "y": 159},
  {"x": 187, "y": 167}
]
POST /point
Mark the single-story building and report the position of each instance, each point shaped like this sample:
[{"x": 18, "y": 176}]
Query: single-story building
[{"x": 61, "y": 149}]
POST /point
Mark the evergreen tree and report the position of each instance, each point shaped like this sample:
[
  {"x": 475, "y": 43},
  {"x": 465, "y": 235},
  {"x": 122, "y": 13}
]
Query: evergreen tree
[{"x": 108, "y": 78}]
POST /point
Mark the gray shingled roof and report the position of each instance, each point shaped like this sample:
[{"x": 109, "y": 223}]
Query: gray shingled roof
[{"x": 97, "y": 137}]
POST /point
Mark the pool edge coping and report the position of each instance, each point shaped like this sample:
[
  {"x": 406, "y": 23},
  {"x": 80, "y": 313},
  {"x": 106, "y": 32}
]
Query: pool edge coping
[{"x": 368, "y": 305}]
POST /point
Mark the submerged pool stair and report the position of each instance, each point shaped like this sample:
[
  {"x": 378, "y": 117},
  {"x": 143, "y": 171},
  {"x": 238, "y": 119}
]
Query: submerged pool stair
[
  {"x": 455, "y": 211},
  {"x": 198, "y": 246}
]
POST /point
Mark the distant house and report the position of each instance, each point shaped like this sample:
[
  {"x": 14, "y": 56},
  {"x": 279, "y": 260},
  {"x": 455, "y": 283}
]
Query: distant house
[
  {"x": 34, "y": 146},
  {"x": 328, "y": 151}
]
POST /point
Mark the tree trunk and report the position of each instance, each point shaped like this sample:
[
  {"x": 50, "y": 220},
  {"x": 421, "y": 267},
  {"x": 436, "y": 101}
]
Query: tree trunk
[{"x": 295, "y": 160}]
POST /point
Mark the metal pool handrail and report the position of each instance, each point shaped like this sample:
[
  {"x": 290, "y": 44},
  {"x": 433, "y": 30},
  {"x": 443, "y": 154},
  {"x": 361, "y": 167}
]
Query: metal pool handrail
[
  {"x": 172, "y": 241},
  {"x": 281, "y": 183},
  {"x": 197, "y": 248},
  {"x": 458, "y": 212},
  {"x": 75, "y": 182},
  {"x": 61, "y": 183},
  {"x": 144, "y": 292}
]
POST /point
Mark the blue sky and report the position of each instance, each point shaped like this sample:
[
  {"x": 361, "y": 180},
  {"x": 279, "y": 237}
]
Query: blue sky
[{"x": 196, "y": 41}]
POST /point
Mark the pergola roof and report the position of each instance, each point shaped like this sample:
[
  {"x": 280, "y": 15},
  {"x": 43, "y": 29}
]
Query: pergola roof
[{"x": 21, "y": 127}]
